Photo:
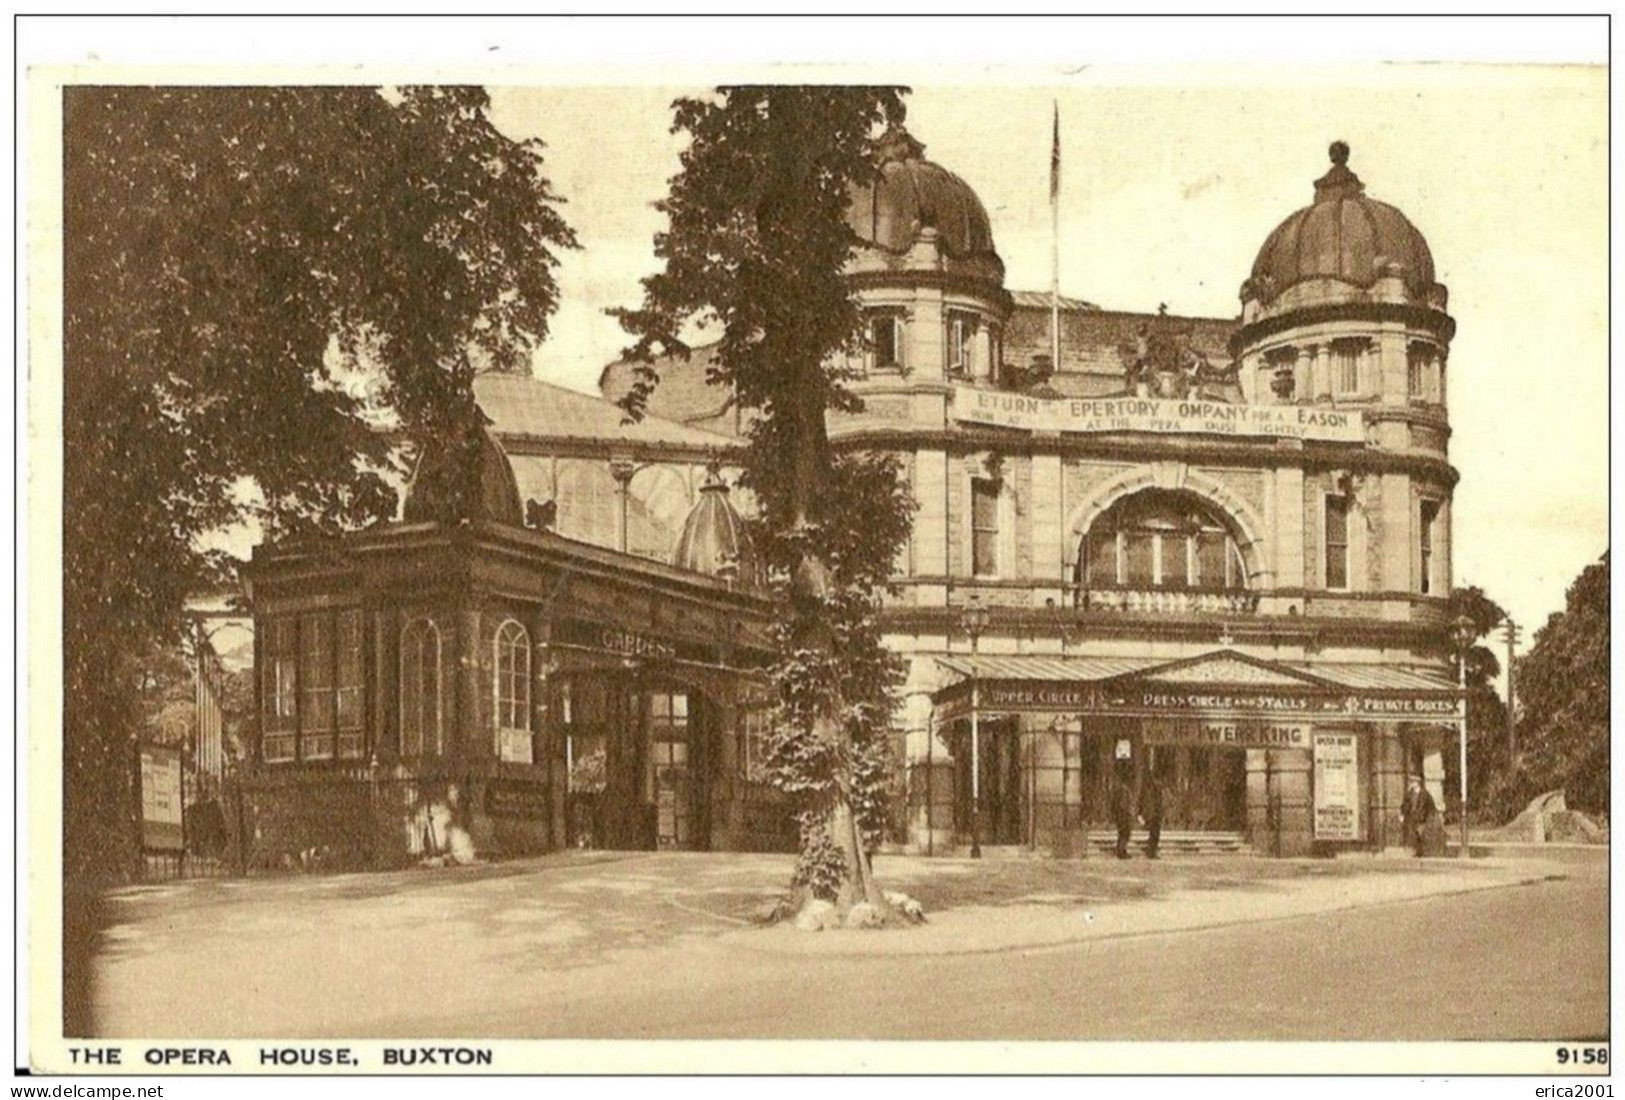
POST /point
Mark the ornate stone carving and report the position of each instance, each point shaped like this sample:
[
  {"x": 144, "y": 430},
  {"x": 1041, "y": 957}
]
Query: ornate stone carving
[{"x": 1162, "y": 361}]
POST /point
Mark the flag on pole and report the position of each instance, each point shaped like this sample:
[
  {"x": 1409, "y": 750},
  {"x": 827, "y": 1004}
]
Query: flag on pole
[
  {"x": 1055, "y": 240},
  {"x": 1055, "y": 156}
]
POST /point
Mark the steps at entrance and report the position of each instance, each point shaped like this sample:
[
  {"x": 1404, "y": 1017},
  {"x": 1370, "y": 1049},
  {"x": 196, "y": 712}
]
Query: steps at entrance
[{"x": 1174, "y": 842}]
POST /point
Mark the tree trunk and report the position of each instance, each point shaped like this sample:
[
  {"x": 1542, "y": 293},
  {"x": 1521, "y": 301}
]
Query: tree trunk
[{"x": 810, "y": 587}]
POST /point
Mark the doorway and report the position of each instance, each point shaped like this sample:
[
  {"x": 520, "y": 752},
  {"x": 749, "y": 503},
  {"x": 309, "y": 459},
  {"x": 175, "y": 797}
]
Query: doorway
[
  {"x": 1002, "y": 781},
  {"x": 1204, "y": 787}
]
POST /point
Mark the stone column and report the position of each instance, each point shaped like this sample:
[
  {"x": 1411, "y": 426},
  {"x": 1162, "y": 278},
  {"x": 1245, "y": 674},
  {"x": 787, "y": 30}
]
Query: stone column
[
  {"x": 468, "y": 738},
  {"x": 1048, "y": 540},
  {"x": 1321, "y": 360},
  {"x": 1288, "y": 533},
  {"x": 622, "y": 469},
  {"x": 931, "y": 524},
  {"x": 1396, "y": 534}
]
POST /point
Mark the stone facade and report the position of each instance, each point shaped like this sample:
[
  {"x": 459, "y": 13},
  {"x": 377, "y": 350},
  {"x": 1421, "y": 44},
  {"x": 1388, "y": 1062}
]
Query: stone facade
[{"x": 1310, "y": 559}]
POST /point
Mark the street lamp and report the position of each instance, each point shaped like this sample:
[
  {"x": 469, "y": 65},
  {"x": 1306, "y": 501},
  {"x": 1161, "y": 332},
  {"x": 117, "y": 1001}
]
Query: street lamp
[
  {"x": 974, "y": 620},
  {"x": 1463, "y": 632}
]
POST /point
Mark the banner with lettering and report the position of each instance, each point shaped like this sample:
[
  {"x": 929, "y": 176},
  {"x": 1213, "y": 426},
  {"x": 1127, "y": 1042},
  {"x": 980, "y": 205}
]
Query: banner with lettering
[{"x": 1150, "y": 414}]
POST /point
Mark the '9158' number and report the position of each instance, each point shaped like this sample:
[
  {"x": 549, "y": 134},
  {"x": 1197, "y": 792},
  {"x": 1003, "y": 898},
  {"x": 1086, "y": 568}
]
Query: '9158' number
[{"x": 1582, "y": 1056}]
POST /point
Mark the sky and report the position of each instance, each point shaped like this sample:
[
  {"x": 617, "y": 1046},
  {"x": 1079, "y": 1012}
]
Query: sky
[{"x": 1171, "y": 179}]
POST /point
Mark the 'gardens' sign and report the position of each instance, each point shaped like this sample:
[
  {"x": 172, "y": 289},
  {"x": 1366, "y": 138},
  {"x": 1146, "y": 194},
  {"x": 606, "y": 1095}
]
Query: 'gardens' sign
[{"x": 1149, "y": 414}]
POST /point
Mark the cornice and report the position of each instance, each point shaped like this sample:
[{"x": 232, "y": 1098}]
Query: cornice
[{"x": 1440, "y": 324}]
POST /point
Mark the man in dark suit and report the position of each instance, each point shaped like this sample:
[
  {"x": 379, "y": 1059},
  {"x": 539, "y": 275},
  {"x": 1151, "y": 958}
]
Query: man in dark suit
[
  {"x": 1416, "y": 813},
  {"x": 1151, "y": 811},
  {"x": 1122, "y": 810}
]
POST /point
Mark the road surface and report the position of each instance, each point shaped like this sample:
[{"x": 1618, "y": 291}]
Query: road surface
[
  {"x": 1525, "y": 962},
  {"x": 622, "y": 952}
]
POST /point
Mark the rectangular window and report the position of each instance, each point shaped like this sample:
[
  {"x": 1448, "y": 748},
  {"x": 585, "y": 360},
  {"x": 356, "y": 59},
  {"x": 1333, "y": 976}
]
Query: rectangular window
[
  {"x": 886, "y": 341},
  {"x": 348, "y": 691},
  {"x": 1429, "y": 516},
  {"x": 1416, "y": 375},
  {"x": 1175, "y": 560},
  {"x": 1210, "y": 572},
  {"x": 1337, "y": 542},
  {"x": 984, "y": 534},
  {"x": 1345, "y": 369},
  {"x": 1102, "y": 558},
  {"x": 962, "y": 344},
  {"x": 1139, "y": 561},
  {"x": 278, "y": 686},
  {"x": 316, "y": 687}
]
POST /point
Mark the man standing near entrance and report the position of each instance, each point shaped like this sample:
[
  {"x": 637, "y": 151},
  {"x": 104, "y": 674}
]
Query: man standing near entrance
[
  {"x": 1123, "y": 807},
  {"x": 1416, "y": 813},
  {"x": 1151, "y": 811}
]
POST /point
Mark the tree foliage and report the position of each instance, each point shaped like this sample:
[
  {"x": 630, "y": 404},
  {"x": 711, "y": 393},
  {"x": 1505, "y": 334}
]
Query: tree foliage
[
  {"x": 1486, "y": 712},
  {"x": 256, "y": 280},
  {"x": 1563, "y": 737},
  {"x": 757, "y": 246}
]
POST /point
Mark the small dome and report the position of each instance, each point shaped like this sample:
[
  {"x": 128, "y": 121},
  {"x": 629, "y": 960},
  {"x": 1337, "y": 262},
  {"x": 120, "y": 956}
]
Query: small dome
[
  {"x": 912, "y": 193},
  {"x": 430, "y": 497},
  {"x": 714, "y": 541},
  {"x": 1342, "y": 235}
]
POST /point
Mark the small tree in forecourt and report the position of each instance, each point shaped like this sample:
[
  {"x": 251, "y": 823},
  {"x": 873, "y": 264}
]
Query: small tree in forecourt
[
  {"x": 757, "y": 246},
  {"x": 253, "y": 278}
]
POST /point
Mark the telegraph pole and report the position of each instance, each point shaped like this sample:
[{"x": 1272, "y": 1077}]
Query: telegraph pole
[{"x": 1511, "y": 631}]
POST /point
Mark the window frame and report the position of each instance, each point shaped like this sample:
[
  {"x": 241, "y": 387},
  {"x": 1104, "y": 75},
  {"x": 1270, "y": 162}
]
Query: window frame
[
  {"x": 1345, "y": 367},
  {"x": 1148, "y": 541},
  {"x": 1347, "y": 507},
  {"x": 409, "y": 630},
  {"x": 962, "y": 328},
  {"x": 979, "y": 532},
  {"x": 509, "y": 643},
  {"x": 1425, "y": 541},
  {"x": 279, "y": 652},
  {"x": 871, "y": 358}
]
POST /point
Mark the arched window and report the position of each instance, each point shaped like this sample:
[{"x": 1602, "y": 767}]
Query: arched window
[
  {"x": 511, "y": 687},
  {"x": 421, "y": 709},
  {"x": 1161, "y": 539},
  {"x": 659, "y": 502}
]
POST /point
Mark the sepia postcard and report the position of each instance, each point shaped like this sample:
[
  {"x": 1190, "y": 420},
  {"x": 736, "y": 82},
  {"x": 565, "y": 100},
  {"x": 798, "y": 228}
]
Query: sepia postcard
[{"x": 1002, "y": 567}]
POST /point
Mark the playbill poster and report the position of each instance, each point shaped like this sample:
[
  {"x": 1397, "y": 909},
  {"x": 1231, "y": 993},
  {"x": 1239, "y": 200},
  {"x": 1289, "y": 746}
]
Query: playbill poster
[{"x": 608, "y": 546}]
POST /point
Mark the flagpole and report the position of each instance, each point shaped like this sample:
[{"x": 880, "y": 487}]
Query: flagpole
[{"x": 1055, "y": 242}]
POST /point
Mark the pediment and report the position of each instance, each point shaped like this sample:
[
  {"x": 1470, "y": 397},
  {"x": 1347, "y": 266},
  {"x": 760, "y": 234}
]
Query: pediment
[{"x": 1228, "y": 667}]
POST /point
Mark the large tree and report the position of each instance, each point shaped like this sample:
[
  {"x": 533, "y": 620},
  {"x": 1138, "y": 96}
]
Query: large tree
[
  {"x": 256, "y": 281},
  {"x": 755, "y": 250},
  {"x": 1563, "y": 693}
]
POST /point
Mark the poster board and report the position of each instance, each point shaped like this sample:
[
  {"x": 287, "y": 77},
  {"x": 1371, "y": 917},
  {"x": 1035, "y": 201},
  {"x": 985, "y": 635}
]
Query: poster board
[
  {"x": 1337, "y": 786},
  {"x": 161, "y": 809}
]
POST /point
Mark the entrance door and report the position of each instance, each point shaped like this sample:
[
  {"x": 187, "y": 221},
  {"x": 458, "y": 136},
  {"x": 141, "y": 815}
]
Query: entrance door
[
  {"x": 669, "y": 769},
  {"x": 1002, "y": 788},
  {"x": 998, "y": 764},
  {"x": 1204, "y": 787}
]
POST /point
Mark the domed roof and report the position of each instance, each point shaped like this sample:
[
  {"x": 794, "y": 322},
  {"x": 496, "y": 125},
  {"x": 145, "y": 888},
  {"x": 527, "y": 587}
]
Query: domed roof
[
  {"x": 714, "y": 541},
  {"x": 912, "y": 193},
  {"x": 1342, "y": 235},
  {"x": 431, "y": 496}
]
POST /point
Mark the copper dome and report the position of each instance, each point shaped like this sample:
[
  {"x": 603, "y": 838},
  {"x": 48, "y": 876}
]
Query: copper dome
[
  {"x": 1342, "y": 235},
  {"x": 912, "y": 193},
  {"x": 430, "y": 497},
  {"x": 714, "y": 541}
]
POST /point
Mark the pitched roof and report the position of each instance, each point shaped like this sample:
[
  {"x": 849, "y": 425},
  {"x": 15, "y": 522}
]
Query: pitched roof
[{"x": 520, "y": 405}]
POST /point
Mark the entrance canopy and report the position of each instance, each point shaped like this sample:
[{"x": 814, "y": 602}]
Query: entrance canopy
[{"x": 1223, "y": 685}]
